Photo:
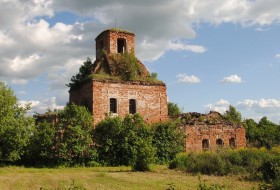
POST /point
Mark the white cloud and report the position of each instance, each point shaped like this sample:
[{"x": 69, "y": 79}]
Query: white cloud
[
  {"x": 19, "y": 81},
  {"x": 33, "y": 47},
  {"x": 184, "y": 78},
  {"x": 20, "y": 64},
  {"x": 6, "y": 40},
  {"x": 277, "y": 56},
  {"x": 221, "y": 106},
  {"x": 41, "y": 106},
  {"x": 259, "y": 108},
  {"x": 193, "y": 48},
  {"x": 231, "y": 79},
  {"x": 261, "y": 105}
]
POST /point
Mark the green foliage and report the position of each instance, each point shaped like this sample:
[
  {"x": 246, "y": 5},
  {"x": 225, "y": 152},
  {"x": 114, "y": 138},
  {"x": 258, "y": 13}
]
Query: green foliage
[
  {"x": 73, "y": 142},
  {"x": 84, "y": 75},
  {"x": 173, "y": 109},
  {"x": 144, "y": 155},
  {"x": 41, "y": 144},
  {"x": 259, "y": 164},
  {"x": 128, "y": 67},
  {"x": 168, "y": 139},
  {"x": 106, "y": 136},
  {"x": 262, "y": 134},
  {"x": 233, "y": 115},
  {"x": 65, "y": 141},
  {"x": 14, "y": 126},
  {"x": 154, "y": 75},
  {"x": 120, "y": 141}
]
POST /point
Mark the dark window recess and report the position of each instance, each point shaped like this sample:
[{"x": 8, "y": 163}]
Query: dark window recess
[
  {"x": 113, "y": 105},
  {"x": 205, "y": 144},
  {"x": 121, "y": 45},
  {"x": 132, "y": 106},
  {"x": 232, "y": 142},
  {"x": 219, "y": 142}
]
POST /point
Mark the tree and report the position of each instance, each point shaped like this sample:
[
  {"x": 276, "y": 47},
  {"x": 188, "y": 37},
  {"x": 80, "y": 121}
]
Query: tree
[
  {"x": 119, "y": 141},
  {"x": 41, "y": 145},
  {"x": 173, "y": 109},
  {"x": 64, "y": 138},
  {"x": 168, "y": 139},
  {"x": 82, "y": 76},
  {"x": 107, "y": 135},
  {"x": 14, "y": 125},
  {"x": 73, "y": 143},
  {"x": 233, "y": 115},
  {"x": 268, "y": 133},
  {"x": 251, "y": 131},
  {"x": 262, "y": 134}
]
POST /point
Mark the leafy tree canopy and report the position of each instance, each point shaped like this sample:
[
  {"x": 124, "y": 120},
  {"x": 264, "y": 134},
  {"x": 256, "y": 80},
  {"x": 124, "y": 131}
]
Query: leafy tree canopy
[
  {"x": 66, "y": 139},
  {"x": 233, "y": 115},
  {"x": 124, "y": 142},
  {"x": 14, "y": 125},
  {"x": 173, "y": 109},
  {"x": 82, "y": 76},
  {"x": 168, "y": 139}
]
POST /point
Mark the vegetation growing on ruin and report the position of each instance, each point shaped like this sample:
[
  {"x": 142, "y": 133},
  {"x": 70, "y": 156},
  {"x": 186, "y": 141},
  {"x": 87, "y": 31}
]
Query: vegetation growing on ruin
[
  {"x": 119, "y": 30},
  {"x": 113, "y": 67},
  {"x": 83, "y": 76}
]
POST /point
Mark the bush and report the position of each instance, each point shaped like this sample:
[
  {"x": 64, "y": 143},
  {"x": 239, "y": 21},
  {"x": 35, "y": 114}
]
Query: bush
[
  {"x": 256, "y": 163},
  {"x": 168, "y": 139},
  {"x": 64, "y": 140},
  {"x": 144, "y": 156},
  {"x": 120, "y": 141}
]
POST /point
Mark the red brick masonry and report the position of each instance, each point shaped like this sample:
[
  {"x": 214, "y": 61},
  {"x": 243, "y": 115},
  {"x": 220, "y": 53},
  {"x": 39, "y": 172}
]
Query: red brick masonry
[{"x": 151, "y": 100}]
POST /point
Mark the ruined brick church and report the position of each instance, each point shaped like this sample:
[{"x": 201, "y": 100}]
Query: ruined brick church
[
  {"x": 110, "y": 93},
  {"x": 120, "y": 84}
]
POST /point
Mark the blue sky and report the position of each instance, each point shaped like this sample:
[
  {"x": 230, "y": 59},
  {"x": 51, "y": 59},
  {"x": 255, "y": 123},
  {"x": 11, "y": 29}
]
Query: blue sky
[{"x": 210, "y": 53}]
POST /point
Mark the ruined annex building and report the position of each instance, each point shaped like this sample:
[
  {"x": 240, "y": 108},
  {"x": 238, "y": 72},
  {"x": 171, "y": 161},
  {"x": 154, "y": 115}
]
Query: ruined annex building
[
  {"x": 120, "y": 84},
  {"x": 211, "y": 131}
]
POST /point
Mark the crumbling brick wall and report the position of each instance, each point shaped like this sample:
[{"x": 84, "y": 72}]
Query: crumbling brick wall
[
  {"x": 195, "y": 134},
  {"x": 109, "y": 38},
  {"x": 151, "y": 100}
]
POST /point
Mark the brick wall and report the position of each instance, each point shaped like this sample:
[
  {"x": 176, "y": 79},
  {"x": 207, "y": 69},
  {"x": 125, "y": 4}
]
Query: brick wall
[
  {"x": 110, "y": 38},
  {"x": 82, "y": 96},
  {"x": 196, "y": 133},
  {"x": 151, "y": 100}
]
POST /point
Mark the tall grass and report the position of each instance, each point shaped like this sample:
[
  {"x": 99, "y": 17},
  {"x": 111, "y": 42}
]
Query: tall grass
[{"x": 254, "y": 164}]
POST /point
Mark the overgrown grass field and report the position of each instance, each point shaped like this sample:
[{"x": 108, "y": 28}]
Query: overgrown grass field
[{"x": 13, "y": 178}]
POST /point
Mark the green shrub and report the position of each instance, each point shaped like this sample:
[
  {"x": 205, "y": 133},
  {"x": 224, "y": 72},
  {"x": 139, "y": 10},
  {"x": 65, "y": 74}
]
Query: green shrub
[
  {"x": 180, "y": 161},
  {"x": 256, "y": 163},
  {"x": 168, "y": 139},
  {"x": 144, "y": 156},
  {"x": 207, "y": 163},
  {"x": 252, "y": 159}
]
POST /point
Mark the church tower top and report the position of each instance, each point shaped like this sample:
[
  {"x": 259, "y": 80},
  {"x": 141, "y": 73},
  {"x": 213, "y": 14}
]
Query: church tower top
[{"x": 114, "y": 41}]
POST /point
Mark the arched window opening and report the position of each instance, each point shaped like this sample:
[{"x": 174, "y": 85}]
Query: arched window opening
[
  {"x": 232, "y": 142},
  {"x": 219, "y": 142},
  {"x": 132, "y": 106},
  {"x": 113, "y": 105},
  {"x": 205, "y": 144},
  {"x": 121, "y": 45}
]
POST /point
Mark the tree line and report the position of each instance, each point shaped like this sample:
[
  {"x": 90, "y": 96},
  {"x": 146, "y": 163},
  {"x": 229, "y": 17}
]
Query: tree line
[{"x": 67, "y": 138}]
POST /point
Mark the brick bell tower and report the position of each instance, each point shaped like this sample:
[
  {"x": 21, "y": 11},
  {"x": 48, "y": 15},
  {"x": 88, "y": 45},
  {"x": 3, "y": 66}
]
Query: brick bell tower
[
  {"x": 108, "y": 93},
  {"x": 114, "y": 41}
]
